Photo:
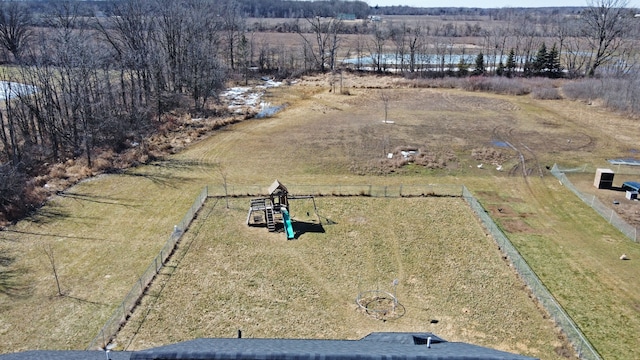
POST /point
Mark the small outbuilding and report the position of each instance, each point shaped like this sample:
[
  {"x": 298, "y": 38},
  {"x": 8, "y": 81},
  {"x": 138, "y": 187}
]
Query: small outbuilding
[
  {"x": 632, "y": 186},
  {"x": 603, "y": 179}
]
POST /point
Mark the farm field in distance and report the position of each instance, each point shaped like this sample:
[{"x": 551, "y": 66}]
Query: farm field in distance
[{"x": 106, "y": 231}]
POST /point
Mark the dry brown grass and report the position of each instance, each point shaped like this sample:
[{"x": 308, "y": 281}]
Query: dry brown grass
[{"x": 228, "y": 276}]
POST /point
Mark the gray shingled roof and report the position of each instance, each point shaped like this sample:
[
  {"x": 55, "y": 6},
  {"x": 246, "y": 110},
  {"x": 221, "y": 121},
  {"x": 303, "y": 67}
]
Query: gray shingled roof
[{"x": 375, "y": 346}]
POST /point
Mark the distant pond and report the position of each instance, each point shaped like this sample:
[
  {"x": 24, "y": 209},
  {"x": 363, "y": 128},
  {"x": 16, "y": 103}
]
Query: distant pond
[{"x": 9, "y": 89}]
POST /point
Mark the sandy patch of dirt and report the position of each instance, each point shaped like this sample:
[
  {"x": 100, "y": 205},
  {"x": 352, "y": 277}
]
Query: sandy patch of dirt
[{"x": 510, "y": 220}]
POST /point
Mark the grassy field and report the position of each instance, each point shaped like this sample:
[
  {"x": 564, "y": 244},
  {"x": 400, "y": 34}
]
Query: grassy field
[
  {"x": 104, "y": 232},
  {"x": 242, "y": 277}
]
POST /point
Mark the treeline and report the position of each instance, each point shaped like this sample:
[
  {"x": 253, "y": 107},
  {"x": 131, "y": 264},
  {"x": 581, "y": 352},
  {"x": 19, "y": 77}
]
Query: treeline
[
  {"x": 301, "y": 9},
  {"x": 291, "y": 9},
  {"x": 102, "y": 83},
  {"x": 470, "y": 13},
  {"x": 247, "y": 8}
]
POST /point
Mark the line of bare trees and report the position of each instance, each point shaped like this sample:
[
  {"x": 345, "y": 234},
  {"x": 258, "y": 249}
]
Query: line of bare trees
[
  {"x": 598, "y": 41},
  {"x": 102, "y": 82}
]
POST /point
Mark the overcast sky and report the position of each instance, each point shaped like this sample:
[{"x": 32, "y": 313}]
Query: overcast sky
[{"x": 484, "y": 3}]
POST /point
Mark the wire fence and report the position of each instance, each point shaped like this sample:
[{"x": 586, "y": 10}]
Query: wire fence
[
  {"x": 582, "y": 346},
  {"x": 344, "y": 190},
  {"x": 617, "y": 168},
  {"x": 123, "y": 311},
  {"x": 607, "y": 213}
]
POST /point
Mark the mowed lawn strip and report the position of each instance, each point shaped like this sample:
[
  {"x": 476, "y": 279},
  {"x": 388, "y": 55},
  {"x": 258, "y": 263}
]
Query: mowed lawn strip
[
  {"x": 576, "y": 254},
  {"x": 228, "y": 276}
]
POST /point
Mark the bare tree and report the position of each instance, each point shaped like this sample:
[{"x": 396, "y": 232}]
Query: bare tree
[
  {"x": 9, "y": 138},
  {"x": 48, "y": 251},
  {"x": 574, "y": 60},
  {"x": 562, "y": 29},
  {"x": 15, "y": 22},
  {"x": 205, "y": 72},
  {"x": 233, "y": 28},
  {"x": 224, "y": 174},
  {"x": 528, "y": 44},
  {"x": 384, "y": 97},
  {"x": 360, "y": 44},
  {"x": 335, "y": 29},
  {"x": 244, "y": 51},
  {"x": 64, "y": 18},
  {"x": 323, "y": 49},
  {"x": 626, "y": 64},
  {"x": 496, "y": 40},
  {"x": 414, "y": 42},
  {"x": 605, "y": 24},
  {"x": 171, "y": 21},
  {"x": 131, "y": 34},
  {"x": 440, "y": 48},
  {"x": 377, "y": 47},
  {"x": 12, "y": 191},
  {"x": 399, "y": 36}
]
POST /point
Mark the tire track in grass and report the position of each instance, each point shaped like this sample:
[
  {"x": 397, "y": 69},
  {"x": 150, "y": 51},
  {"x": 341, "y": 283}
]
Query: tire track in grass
[
  {"x": 509, "y": 139},
  {"x": 245, "y": 142}
]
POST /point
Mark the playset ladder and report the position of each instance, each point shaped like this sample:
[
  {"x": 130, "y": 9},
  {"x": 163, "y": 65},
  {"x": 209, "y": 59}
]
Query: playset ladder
[{"x": 271, "y": 222}]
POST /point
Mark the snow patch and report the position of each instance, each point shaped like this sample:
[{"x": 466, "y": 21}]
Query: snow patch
[{"x": 249, "y": 99}]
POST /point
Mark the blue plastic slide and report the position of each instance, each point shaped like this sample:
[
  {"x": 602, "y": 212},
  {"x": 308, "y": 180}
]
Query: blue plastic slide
[{"x": 287, "y": 223}]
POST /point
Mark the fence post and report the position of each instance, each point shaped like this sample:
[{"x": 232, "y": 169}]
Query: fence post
[
  {"x": 104, "y": 340},
  {"x": 122, "y": 309}
]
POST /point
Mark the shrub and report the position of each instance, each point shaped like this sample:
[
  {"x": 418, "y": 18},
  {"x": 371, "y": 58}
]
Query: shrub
[
  {"x": 546, "y": 94},
  {"x": 18, "y": 196},
  {"x": 58, "y": 171},
  {"x": 586, "y": 89},
  {"x": 78, "y": 172},
  {"x": 101, "y": 164},
  {"x": 437, "y": 83},
  {"x": 498, "y": 85},
  {"x": 617, "y": 94}
]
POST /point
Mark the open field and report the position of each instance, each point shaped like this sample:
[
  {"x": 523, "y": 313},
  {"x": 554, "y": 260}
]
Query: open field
[
  {"x": 104, "y": 232},
  {"x": 246, "y": 278}
]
